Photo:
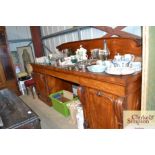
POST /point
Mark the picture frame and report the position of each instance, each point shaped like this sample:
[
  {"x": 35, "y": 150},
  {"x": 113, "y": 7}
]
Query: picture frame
[{"x": 25, "y": 54}]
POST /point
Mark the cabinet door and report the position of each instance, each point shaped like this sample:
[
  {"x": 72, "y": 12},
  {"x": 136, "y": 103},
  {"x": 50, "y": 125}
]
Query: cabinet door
[
  {"x": 51, "y": 84},
  {"x": 2, "y": 36},
  {"x": 55, "y": 84},
  {"x": 2, "y": 76},
  {"x": 7, "y": 73},
  {"x": 5, "y": 57},
  {"x": 99, "y": 110},
  {"x": 41, "y": 88}
]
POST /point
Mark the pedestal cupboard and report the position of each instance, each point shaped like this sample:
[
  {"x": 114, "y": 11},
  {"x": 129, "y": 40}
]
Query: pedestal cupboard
[{"x": 104, "y": 97}]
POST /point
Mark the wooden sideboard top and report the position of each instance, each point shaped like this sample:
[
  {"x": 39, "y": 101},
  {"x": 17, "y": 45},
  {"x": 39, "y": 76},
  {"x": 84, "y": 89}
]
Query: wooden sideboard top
[{"x": 75, "y": 76}]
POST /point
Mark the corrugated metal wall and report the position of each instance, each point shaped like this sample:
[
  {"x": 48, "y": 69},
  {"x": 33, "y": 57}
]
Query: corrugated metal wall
[
  {"x": 46, "y": 30},
  {"x": 16, "y": 33},
  {"x": 89, "y": 33},
  {"x": 23, "y": 32},
  {"x": 51, "y": 43}
]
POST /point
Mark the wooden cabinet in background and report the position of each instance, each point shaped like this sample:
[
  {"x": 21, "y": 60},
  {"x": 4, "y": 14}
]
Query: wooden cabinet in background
[
  {"x": 2, "y": 36},
  {"x": 7, "y": 72},
  {"x": 2, "y": 76}
]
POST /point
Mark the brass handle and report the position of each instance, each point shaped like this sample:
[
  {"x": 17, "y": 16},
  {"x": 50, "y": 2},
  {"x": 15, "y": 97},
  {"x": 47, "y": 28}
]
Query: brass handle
[
  {"x": 99, "y": 93},
  {"x": 102, "y": 94}
]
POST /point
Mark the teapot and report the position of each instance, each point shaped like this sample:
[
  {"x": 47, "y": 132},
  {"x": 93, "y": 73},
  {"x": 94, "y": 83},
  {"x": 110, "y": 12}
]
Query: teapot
[{"x": 81, "y": 53}]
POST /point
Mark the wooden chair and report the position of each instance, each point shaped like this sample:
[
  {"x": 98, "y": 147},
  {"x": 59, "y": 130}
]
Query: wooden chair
[{"x": 31, "y": 85}]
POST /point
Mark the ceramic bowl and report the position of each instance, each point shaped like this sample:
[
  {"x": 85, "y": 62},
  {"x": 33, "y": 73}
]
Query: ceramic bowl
[{"x": 96, "y": 68}]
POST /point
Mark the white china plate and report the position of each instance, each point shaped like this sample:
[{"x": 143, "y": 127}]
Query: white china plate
[{"x": 120, "y": 70}]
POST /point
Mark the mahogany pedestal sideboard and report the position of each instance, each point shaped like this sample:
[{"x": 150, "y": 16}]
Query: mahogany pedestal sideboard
[
  {"x": 15, "y": 113},
  {"x": 104, "y": 97}
]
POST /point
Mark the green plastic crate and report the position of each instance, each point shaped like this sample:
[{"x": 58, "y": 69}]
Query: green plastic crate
[{"x": 59, "y": 106}]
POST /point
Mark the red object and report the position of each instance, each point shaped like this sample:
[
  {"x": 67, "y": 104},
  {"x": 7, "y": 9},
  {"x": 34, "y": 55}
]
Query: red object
[{"x": 29, "y": 83}]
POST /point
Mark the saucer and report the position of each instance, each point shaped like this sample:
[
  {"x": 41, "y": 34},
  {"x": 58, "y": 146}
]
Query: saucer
[
  {"x": 136, "y": 65},
  {"x": 120, "y": 70}
]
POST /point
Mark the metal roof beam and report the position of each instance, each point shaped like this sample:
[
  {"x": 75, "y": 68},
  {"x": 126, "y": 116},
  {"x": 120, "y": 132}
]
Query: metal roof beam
[{"x": 77, "y": 28}]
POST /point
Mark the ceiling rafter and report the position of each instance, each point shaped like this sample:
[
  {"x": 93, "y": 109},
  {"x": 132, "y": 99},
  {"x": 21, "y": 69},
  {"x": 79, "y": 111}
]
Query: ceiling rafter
[
  {"x": 118, "y": 28},
  {"x": 117, "y": 31}
]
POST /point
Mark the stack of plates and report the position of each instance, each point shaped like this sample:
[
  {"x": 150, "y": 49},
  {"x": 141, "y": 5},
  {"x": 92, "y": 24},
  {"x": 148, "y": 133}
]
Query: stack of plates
[{"x": 120, "y": 70}]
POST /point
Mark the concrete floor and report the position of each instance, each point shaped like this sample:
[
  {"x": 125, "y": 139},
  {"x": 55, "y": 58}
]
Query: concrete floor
[{"x": 50, "y": 118}]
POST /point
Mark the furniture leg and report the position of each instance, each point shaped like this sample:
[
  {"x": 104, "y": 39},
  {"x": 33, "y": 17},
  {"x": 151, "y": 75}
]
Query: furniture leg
[
  {"x": 31, "y": 87},
  {"x": 27, "y": 90}
]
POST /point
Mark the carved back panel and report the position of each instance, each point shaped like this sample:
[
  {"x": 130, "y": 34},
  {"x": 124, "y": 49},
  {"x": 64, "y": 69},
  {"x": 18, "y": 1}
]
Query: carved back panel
[{"x": 115, "y": 45}]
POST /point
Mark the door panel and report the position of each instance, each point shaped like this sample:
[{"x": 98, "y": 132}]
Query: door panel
[
  {"x": 2, "y": 76},
  {"x": 40, "y": 85},
  {"x": 99, "y": 110}
]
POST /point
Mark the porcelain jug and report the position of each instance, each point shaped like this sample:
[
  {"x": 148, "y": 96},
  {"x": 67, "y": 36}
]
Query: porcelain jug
[{"x": 129, "y": 57}]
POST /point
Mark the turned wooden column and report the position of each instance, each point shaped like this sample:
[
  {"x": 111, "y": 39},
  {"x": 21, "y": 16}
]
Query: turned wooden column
[{"x": 37, "y": 42}]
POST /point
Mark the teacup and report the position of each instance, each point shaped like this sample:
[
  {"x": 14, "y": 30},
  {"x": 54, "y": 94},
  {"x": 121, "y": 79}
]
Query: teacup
[
  {"x": 129, "y": 57},
  {"x": 121, "y": 63},
  {"x": 118, "y": 57},
  {"x": 136, "y": 65}
]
